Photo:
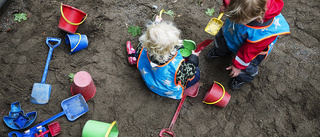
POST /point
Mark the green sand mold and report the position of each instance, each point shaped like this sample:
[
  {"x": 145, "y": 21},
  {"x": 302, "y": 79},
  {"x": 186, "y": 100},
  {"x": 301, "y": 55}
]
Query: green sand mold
[{"x": 188, "y": 45}]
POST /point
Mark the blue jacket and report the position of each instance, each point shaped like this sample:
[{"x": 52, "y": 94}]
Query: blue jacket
[
  {"x": 161, "y": 79},
  {"x": 236, "y": 34}
]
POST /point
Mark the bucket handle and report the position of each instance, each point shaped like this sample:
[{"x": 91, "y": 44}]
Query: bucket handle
[
  {"x": 110, "y": 128},
  {"x": 77, "y": 43},
  {"x": 161, "y": 12},
  {"x": 224, "y": 91},
  {"x": 70, "y": 21}
]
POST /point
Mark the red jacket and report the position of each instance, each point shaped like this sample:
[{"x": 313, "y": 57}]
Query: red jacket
[{"x": 248, "y": 51}]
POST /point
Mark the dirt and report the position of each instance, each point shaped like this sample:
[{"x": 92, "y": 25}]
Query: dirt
[{"x": 283, "y": 100}]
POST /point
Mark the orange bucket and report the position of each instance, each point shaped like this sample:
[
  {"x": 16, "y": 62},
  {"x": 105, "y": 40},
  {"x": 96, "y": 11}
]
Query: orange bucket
[
  {"x": 71, "y": 18},
  {"x": 217, "y": 95}
]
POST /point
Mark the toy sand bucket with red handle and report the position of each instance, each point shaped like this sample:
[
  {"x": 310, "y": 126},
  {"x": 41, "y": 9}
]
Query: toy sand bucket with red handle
[
  {"x": 71, "y": 18},
  {"x": 217, "y": 95}
]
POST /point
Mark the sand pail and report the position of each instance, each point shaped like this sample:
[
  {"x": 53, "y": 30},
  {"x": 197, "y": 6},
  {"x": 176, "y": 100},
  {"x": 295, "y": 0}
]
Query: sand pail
[
  {"x": 83, "y": 84},
  {"x": 77, "y": 42},
  {"x": 71, "y": 18},
  {"x": 217, "y": 95},
  {"x": 94, "y": 128}
]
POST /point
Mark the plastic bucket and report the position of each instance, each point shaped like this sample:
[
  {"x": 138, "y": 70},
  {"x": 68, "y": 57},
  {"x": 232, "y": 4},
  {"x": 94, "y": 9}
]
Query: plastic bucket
[
  {"x": 217, "y": 95},
  {"x": 77, "y": 42},
  {"x": 83, "y": 84},
  {"x": 71, "y": 18},
  {"x": 94, "y": 128}
]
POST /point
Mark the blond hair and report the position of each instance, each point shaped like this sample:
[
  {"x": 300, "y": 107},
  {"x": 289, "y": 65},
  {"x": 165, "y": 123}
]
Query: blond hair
[
  {"x": 245, "y": 11},
  {"x": 160, "y": 40}
]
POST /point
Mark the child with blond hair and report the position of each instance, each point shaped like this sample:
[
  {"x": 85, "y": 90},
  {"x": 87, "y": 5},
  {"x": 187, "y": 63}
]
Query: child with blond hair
[
  {"x": 250, "y": 31},
  {"x": 160, "y": 62}
]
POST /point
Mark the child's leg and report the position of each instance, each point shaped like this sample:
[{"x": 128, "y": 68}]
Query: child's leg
[
  {"x": 251, "y": 71},
  {"x": 248, "y": 74},
  {"x": 195, "y": 79},
  {"x": 220, "y": 46}
]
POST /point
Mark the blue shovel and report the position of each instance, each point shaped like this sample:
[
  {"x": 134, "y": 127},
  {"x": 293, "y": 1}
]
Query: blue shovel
[{"x": 41, "y": 91}]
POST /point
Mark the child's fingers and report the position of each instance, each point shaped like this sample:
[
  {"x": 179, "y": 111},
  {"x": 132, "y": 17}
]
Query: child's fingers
[{"x": 196, "y": 53}]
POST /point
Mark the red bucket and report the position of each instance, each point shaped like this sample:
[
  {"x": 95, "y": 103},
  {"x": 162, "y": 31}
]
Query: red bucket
[
  {"x": 217, "y": 95},
  {"x": 83, "y": 84},
  {"x": 71, "y": 18}
]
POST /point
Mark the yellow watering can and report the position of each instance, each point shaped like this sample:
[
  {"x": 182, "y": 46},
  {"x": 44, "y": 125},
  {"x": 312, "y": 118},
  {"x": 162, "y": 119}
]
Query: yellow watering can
[{"x": 214, "y": 25}]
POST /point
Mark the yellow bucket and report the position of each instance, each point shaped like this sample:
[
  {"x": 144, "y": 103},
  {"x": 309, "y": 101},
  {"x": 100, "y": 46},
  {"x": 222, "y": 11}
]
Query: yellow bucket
[{"x": 214, "y": 25}]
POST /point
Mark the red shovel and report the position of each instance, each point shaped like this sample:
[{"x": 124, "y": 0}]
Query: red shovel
[
  {"x": 203, "y": 45},
  {"x": 191, "y": 92},
  {"x": 54, "y": 129}
]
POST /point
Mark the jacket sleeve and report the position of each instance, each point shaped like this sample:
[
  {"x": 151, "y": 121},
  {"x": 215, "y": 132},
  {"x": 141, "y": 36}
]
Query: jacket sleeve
[
  {"x": 248, "y": 51},
  {"x": 193, "y": 59}
]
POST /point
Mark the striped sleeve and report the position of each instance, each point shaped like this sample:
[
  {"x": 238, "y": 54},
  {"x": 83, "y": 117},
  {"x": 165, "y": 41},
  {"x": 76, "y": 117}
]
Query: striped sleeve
[{"x": 248, "y": 51}]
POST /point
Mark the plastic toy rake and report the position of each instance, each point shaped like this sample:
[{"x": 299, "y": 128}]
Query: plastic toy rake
[{"x": 54, "y": 129}]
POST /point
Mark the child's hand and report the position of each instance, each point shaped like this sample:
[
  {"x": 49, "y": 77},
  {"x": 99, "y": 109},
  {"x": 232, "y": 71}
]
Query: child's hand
[
  {"x": 196, "y": 53},
  {"x": 234, "y": 71},
  {"x": 158, "y": 19}
]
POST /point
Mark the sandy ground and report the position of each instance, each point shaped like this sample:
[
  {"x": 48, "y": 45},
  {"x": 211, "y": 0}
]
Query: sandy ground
[{"x": 283, "y": 100}]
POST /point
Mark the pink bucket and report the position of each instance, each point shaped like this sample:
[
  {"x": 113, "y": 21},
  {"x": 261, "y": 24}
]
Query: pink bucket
[{"x": 83, "y": 84}]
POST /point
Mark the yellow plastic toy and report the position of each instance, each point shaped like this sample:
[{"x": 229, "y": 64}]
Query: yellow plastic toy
[{"x": 214, "y": 25}]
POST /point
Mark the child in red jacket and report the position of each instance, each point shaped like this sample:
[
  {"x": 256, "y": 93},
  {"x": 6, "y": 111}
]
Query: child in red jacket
[{"x": 250, "y": 31}]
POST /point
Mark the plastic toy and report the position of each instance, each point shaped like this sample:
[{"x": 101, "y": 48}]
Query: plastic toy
[
  {"x": 214, "y": 25},
  {"x": 41, "y": 91},
  {"x": 71, "y": 18},
  {"x": 17, "y": 119},
  {"x": 73, "y": 108},
  {"x": 192, "y": 92}
]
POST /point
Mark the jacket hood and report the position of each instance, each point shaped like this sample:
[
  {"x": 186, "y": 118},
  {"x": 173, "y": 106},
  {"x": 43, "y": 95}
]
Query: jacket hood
[{"x": 274, "y": 8}]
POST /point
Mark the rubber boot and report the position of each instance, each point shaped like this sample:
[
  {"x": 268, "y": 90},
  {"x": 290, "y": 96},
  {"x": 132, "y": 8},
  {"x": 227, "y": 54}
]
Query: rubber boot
[{"x": 131, "y": 51}]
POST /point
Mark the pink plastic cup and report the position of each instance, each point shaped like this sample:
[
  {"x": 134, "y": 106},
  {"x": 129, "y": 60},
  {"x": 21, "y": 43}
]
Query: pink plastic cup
[{"x": 83, "y": 84}]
